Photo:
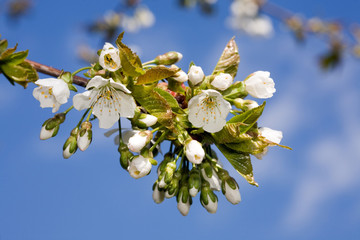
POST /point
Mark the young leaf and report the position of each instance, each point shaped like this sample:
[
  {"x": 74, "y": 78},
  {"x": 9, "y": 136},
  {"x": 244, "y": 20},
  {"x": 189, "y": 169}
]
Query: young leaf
[
  {"x": 155, "y": 74},
  {"x": 154, "y": 103},
  {"x": 229, "y": 60},
  {"x": 240, "y": 161},
  {"x": 170, "y": 100},
  {"x": 236, "y": 127}
]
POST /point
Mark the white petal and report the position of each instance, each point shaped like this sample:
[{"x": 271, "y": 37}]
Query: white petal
[
  {"x": 149, "y": 120},
  {"x": 119, "y": 86},
  {"x": 83, "y": 142},
  {"x": 46, "y": 134},
  {"x": 106, "y": 114},
  {"x": 193, "y": 191},
  {"x": 66, "y": 152},
  {"x": 97, "y": 82},
  {"x": 108, "y": 46},
  {"x": 56, "y": 106},
  {"x": 271, "y": 135},
  {"x": 128, "y": 105},
  {"x": 61, "y": 92},
  {"x": 36, "y": 92},
  {"x": 158, "y": 196},
  {"x": 47, "y": 82},
  {"x": 232, "y": 195},
  {"x": 212, "y": 206},
  {"x": 184, "y": 208},
  {"x": 83, "y": 100}
]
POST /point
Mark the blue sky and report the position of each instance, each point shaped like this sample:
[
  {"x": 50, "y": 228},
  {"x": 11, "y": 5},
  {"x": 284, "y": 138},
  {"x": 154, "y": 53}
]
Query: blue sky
[{"x": 308, "y": 193}]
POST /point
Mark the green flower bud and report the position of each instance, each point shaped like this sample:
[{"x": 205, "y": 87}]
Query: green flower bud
[
  {"x": 184, "y": 200},
  {"x": 51, "y": 126},
  {"x": 168, "y": 58},
  {"x": 194, "y": 182},
  {"x": 173, "y": 187},
  {"x": 70, "y": 145},
  {"x": 208, "y": 198},
  {"x": 125, "y": 155},
  {"x": 230, "y": 189},
  {"x": 84, "y": 136}
]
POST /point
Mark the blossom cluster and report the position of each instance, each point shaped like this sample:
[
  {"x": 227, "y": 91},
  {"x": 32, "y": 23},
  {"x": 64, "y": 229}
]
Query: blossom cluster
[{"x": 189, "y": 110}]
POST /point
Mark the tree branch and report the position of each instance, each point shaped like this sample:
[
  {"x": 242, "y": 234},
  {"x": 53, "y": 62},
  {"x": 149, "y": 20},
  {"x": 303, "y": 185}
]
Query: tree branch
[{"x": 80, "y": 81}]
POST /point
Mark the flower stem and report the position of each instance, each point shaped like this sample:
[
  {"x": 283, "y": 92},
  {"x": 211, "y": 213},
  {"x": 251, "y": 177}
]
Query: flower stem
[
  {"x": 68, "y": 110},
  {"x": 155, "y": 129},
  {"x": 82, "y": 118},
  {"x": 160, "y": 139},
  {"x": 149, "y": 62},
  {"x": 120, "y": 136},
  {"x": 79, "y": 70},
  {"x": 88, "y": 117}
]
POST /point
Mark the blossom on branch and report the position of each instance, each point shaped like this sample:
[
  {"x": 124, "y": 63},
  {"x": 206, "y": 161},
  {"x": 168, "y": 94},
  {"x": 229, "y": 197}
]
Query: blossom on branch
[
  {"x": 139, "y": 167},
  {"x": 209, "y": 111},
  {"x": 260, "y": 85},
  {"x": 52, "y": 92},
  {"x": 109, "y": 58},
  {"x": 109, "y": 101}
]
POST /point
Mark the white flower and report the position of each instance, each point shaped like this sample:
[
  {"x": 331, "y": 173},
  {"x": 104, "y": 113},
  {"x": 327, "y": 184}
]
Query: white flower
[
  {"x": 183, "y": 207},
  {"x": 196, "y": 75},
  {"x": 139, "y": 167},
  {"x": 211, "y": 207},
  {"x": 271, "y": 135},
  {"x": 109, "y": 100},
  {"x": 260, "y": 26},
  {"x": 148, "y": 119},
  {"x": 52, "y": 92},
  {"x": 194, "y": 152},
  {"x": 180, "y": 76},
  {"x": 260, "y": 85},
  {"x": 209, "y": 111},
  {"x": 144, "y": 17},
  {"x": 139, "y": 140},
  {"x": 158, "y": 196},
  {"x": 222, "y": 81},
  {"x": 244, "y": 8},
  {"x": 109, "y": 58},
  {"x": 214, "y": 181},
  {"x": 232, "y": 195}
]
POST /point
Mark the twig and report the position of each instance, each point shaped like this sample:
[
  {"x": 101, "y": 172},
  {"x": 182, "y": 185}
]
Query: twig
[{"x": 80, "y": 81}]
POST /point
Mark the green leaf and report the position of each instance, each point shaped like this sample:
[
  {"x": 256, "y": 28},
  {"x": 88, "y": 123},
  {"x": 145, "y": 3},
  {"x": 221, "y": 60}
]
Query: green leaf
[
  {"x": 229, "y": 60},
  {"x": 235, "y": 129},
  {"x": 170, "y": 100},
  {"x": 240, "y": 161},
  {"x": 247, "y": 146},
  {"x": 7, "y": 53},
  {"x": 175, "y": 86},
  {"x": 22, "y": 73},
  {"x": 3, "y": 45},
  {"x": 155, "y": 74},
  {"x": 130, "y": 62},
  {"x": 16, "y": 58},
  {"x": 249, "y": 117},
  {"x": 154, "y": 103},
  {"x": 237, "y": 90}
]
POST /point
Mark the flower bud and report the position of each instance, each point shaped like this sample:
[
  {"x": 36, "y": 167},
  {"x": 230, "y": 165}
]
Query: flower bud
[
  {"x": 148, "y": 119},
  {"x": 210, "y": 176},
  {"x": 245, "y": 104},
  {"x": 51, "y": 126},
  {"x": 125, "y": 155},
  {"x": 173, "y": 187},
  {"x": 139, "y": 167},
  {"x": 194, "y": 182},
  {"x": 184, "y": 200},
  {"x": 84, "y": 136},
  {"x": 196, "y": 75},
  {"x": 158, "y": 194},
  {"x": 230, "y": 189},
  {"x": 273, "y": 136},
  {"x": 70, "y": 145},
  {"x": 139, "y": 140},
  {"x": 222, "y": 81},
  {"x": 194, "y": 151},
  {"x": 260, "y": 85},
  {"x": 180, "y": 76},
  {"x": 208, "y": 199},
  {"x": 168, "y": 58}
]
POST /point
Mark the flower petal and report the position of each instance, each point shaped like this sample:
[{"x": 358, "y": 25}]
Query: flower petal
[
  {"x": 61, "y": 92},
  {"x": 83, "y": 100},
  {"x": 119, "y": 86},
  {"x": 97, "y": 82},
  {"x": 47, "y": 82}
]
